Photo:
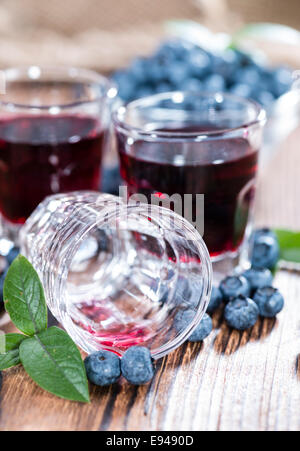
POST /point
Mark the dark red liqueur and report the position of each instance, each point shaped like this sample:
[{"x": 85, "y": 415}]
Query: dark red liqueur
[
  {"x": 223, "y": 169},
  {"x": 43, "y": 155}
]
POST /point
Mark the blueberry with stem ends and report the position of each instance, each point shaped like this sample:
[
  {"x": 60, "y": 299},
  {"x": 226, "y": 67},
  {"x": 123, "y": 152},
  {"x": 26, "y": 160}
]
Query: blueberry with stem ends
[
  {"x": 258, "y": 278},
  {"x": 269, "y": 301},
  {"x": 137, "y": 365},
  {"x": 265, "y": 231},
  {"x": 265, "y": 252},
  {"x": 215, "y": 300},
  {"x": 203, "y": 330},
  {"x": 241, "y": 313},
  {"x": 233, "y": 286},
  {"x": 103, "y": 368},
  {"x": 185, "y": 317}
]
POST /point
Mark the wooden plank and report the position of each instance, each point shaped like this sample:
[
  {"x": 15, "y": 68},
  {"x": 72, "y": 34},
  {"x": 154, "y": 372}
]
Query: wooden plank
[{"x": 234, "y": 381}]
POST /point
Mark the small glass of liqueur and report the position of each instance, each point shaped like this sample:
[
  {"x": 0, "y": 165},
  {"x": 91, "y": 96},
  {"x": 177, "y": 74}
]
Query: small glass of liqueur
[
  {"x": 196, "y": 153},
  {"x": 53, "y": 127}
]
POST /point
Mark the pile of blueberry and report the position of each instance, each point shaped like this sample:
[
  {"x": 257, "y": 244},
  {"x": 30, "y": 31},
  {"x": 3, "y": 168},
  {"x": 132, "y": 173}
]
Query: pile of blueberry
[
  {"x": 180, "y": 65},
  {"x": 247, "y": 296},
  {"x": 250, "y": 295},
  {"x": 105, "y": 368}
]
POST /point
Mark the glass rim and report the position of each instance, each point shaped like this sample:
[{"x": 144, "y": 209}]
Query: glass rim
[
  {"x": 121, "y": 124},
  {"x": 18, "y": 73}
]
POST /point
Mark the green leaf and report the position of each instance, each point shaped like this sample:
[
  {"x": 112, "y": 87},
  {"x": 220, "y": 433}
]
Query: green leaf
[
  {"x": 54, "y": 362},
  {"x": 24, "y": 297},
  {"x": 10, "y": 357},
  {"x": 289, "y": 243},
  {"x": 13, "y": 341}
]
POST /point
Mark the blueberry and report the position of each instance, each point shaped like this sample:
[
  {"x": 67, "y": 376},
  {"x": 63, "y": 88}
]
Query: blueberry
[
  {"x": 258, "y": 278},
  {"x": 241, "y": 313},
  {"x": 156, "y": 72},
  {"x": 177, "y": 73},
  {"x": 163, "y": 87},
  {"x": 103, "y": 368},
  {"x": 233, "y": 286},
  {"x": 143, "y": 91},
  {"x": 265, "y": 252},
  {"x": 282, "y": 81},
  {"x": 243, "y": 58},
  {"x": 215, "y": 300},
  {"x": 111, "y": 180},
  {"x": 171, "y": 51},
  {"x": 126, "y": 85},
  {"x": 203, "y": 330},
  {"x": 199, "y": 62},
  {"x": 1, "y": 380},
  {"x": 269, "y": 301},
  {"x": 214, "y": 82},
  {"x": 102, "y": 241},
  {"x": 265, "y": 98},
  {"x": 182, "y": 290},
  {"x": 185, "y": 317},
  {"x": 242, "y": 90},
  {"x": 13, "y": 253},
  {"x": 191, "y": 84},
  {"x": 248, "y": 76},
  {"x": 225, "y": 64},
  {"x": 137, "y": 366},
  {"x": 138, "y": 69},
  {"x": 265, "y": 231}
]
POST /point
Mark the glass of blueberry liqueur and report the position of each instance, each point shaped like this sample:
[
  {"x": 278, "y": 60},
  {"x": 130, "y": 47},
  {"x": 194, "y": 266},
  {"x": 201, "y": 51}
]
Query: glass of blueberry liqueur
[
  {"x": 196, "y": 153},
  {"x": 117, "y": 274},
  {"x": 53, "y": 124}
]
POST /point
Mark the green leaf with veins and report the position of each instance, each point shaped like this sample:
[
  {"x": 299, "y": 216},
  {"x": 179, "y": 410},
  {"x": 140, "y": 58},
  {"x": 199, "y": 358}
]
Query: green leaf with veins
[
  {"x": 54, "y": 362},
  {"x": 10, "y": 355},
  {"x": 24, "y": 297}
]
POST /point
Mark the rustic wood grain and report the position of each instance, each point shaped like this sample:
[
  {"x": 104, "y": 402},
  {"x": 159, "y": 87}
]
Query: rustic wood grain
[{"x": 234, "y": 381}]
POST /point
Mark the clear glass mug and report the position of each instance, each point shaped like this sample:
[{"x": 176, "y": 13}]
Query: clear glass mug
[
  {"x": 196, "y": 153},
  {"x": 116, "y": 274},
  {"x": 53, "y": 130}
]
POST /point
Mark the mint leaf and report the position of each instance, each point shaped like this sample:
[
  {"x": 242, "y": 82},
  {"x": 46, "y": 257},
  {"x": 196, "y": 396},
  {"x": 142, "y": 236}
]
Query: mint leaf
[
  {"x": 10, "y": 357},
  {"x": 289, "y": 243},
  {"x": 53, "y": 361},
  {"x": 24, "y": 297}
]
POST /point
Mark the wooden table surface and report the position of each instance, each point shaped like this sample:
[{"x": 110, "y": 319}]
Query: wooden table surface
[{"x": 234, "y": 381}]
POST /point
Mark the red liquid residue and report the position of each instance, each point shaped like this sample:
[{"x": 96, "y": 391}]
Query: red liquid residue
[{"x": 115, "y": 333}]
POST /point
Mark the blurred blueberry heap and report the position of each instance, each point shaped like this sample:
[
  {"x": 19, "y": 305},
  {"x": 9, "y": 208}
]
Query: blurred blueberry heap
[{"x": 180, "y": 65}]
